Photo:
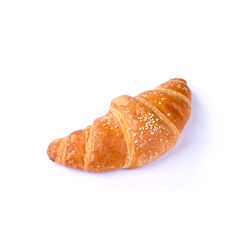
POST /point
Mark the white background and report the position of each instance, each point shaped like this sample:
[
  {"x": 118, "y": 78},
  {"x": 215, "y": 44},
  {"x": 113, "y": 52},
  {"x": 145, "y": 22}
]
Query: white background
[{"x": 62, "y": 62}]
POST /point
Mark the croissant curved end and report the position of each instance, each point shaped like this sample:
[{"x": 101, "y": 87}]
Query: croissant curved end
[
  {"x": 69, "y": 151},
  {"x": 53, "y": 151},
  {"x": 65, "y": 152},
  {"x": 178, "y": 80}
]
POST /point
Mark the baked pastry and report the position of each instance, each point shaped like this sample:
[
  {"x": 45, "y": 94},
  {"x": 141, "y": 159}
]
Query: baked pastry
[{"x": 134, "y": 132}]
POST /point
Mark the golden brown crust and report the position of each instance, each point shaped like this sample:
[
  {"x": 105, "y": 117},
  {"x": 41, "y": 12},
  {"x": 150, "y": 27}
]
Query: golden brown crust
[
  {"x": 70, "y": 150},
  {"x": 149, "y": 133},
  {"x": 178, "y": 85},
  {"x": 107, "y": 139},
  {"x": 134, "y": 132},
  {"x": 175, "y": 108}
]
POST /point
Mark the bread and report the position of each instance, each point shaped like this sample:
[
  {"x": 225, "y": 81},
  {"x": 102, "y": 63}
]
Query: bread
[{"x": 134, "y": 132}]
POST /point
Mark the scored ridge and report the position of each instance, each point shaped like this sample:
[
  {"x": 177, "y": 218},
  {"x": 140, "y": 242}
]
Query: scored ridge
[
  {"x": 163, "y": 117},
  {"x": 175, "y": 93},
  {"x": 127, "y": 137},
  {"x": 88, "y": 149}
]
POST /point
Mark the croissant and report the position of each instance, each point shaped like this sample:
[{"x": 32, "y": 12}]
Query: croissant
[{"x": 134, "y": 132}]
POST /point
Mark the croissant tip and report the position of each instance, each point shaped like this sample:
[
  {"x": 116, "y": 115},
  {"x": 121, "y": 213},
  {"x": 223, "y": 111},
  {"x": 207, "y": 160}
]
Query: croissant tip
[
  {"x": 178, "y": 80},
  {"x": 53, "y": 149}
]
